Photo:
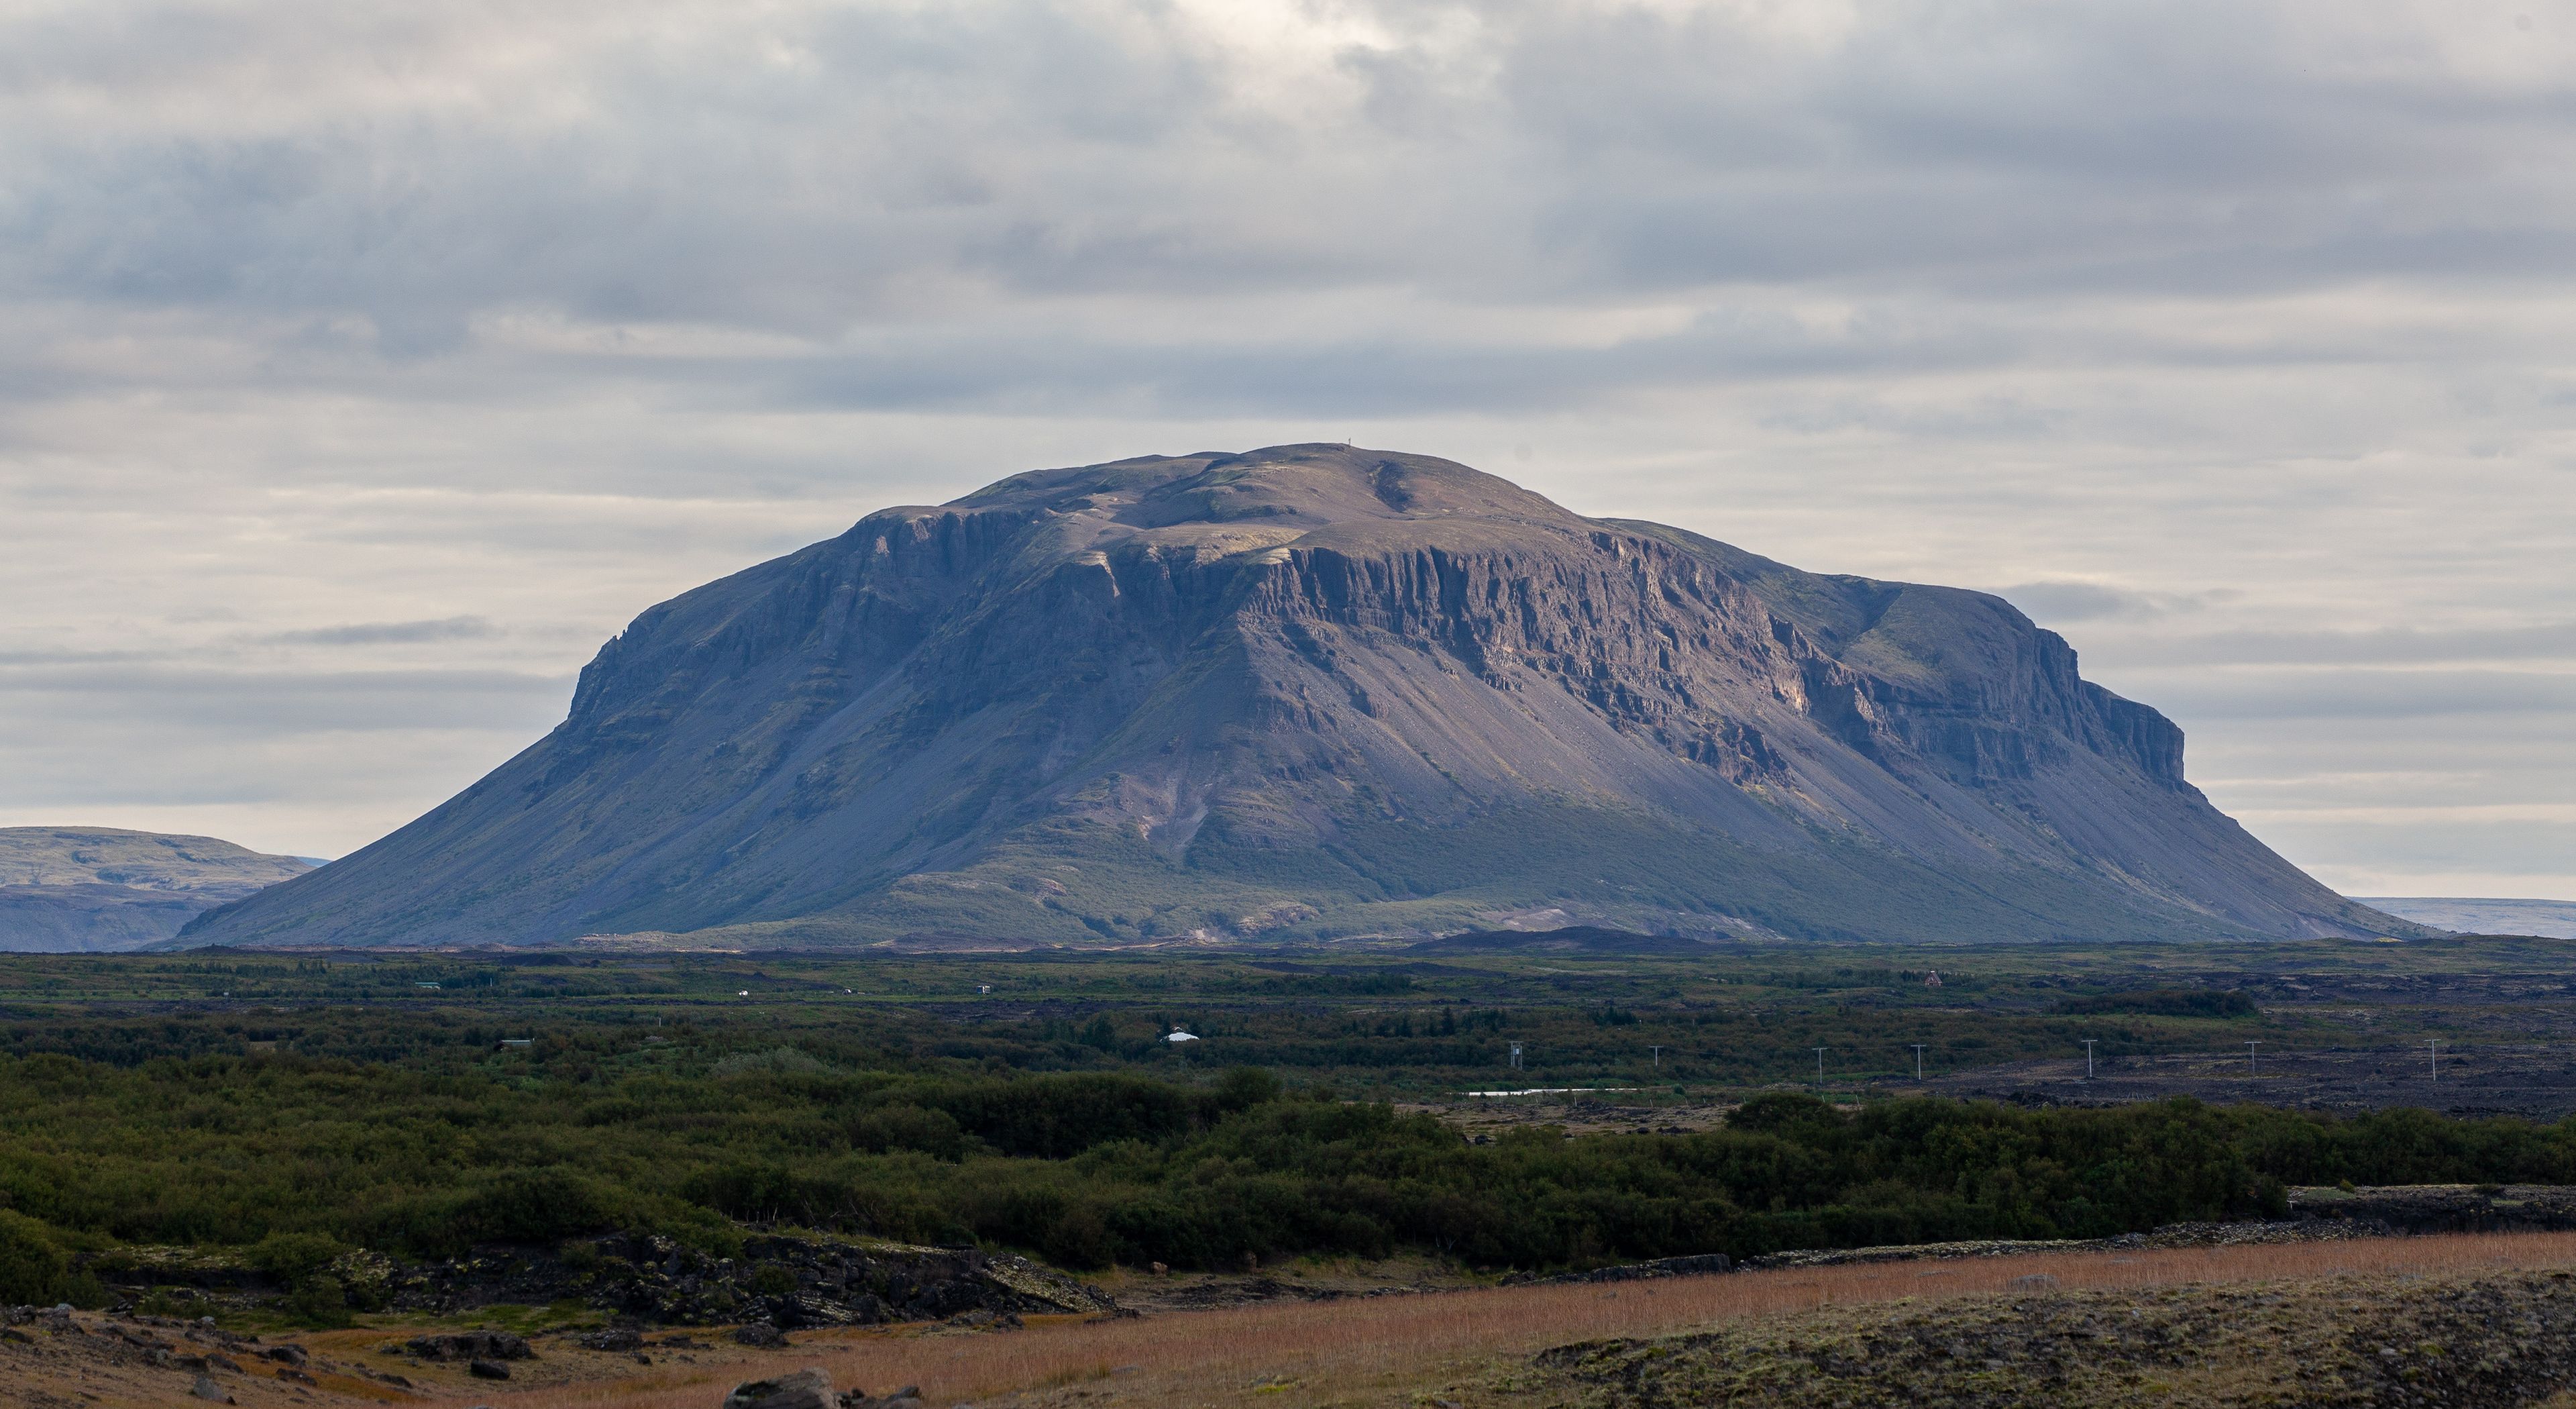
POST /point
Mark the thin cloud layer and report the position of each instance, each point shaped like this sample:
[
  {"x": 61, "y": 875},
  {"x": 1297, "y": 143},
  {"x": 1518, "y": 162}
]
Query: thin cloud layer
[
  {"x": 350, "y": 346},
  {"x": 374, "y": 633}
]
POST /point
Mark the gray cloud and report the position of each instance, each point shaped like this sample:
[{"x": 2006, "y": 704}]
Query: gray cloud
[
  {"x": 2235, "y": 335},
  {"x": 2092, "y": 601},
  {"x": 379, "y": 633},
  {"x": 270, "y": 702},
  {"x": 816, "y": 169},
  {"x": 2378, "y": 694},
  {"x": 2545, "y": 643}
]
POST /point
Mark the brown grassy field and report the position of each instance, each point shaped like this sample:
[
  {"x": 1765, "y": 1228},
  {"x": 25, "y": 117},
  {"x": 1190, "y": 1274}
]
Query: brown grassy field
[{"x": 1422, "y": 1349}]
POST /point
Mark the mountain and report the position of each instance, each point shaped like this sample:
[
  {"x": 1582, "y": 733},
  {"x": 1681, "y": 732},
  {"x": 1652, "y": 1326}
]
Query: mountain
[
  {"x": 78, "y": 889},
  {"x": 1313, "y": 691},
  {"x": 2547, "y": 919}
]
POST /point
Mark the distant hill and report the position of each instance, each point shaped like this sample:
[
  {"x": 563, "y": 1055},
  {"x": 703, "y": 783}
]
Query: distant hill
[
  {"x": 1313, "y": 691},
  {"x": 2550, "y": 919},
  {"x": 78, "y": 889}
]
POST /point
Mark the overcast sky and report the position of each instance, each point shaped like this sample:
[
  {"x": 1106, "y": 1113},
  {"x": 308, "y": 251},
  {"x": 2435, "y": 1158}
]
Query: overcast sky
[{"x": 363, "y": 366}]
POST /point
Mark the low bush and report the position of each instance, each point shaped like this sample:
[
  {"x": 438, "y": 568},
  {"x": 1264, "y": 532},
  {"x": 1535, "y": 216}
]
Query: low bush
[{"x": 35, "y": 1270}]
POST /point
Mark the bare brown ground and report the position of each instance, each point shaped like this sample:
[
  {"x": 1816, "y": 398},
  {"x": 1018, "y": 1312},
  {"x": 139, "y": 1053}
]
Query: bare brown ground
[
  {"x": 1420, "y": 1349},
  {"x": 1395, "y": 1350}
]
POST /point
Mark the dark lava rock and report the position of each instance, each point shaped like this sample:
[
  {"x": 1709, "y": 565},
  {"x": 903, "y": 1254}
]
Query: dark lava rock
[
  {"x": 286, "y": 1354},
  {"x": 760, "y": 1333},
  {"x": 789, "y": 1282},
  {"x": 655, "y": 1280},
  {"x": 2480, "y": 1340},
  {"x": 804, "y": 1389},
  {"x": 487, "y": 1369},
  {"x": 615, "y": 1338},
  {"x": 1697, "y": 1265},
  {"x": 2445, "y": 1208},
  {"x": 470, "y": 1345}
]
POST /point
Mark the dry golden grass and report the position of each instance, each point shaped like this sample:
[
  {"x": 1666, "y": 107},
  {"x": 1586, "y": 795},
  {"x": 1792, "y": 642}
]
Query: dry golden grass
[{"x": 1407, "y": 1348}]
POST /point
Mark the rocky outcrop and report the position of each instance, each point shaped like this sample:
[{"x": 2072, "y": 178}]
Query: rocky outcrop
[
  {"x": 1314, "y": 691},
  {"x": 785, "y": 1282},
  {"x": 85, "y": 889},
  {"x": 1696, "y": 1265},
  {"x": 2443, "y": 1208},
  {"x": 811, "y": 1388},
  {"x": 2485, "y": 1339},
  {"x": 450, "y": 1346},
  {"x": 802, "y": 1389}
]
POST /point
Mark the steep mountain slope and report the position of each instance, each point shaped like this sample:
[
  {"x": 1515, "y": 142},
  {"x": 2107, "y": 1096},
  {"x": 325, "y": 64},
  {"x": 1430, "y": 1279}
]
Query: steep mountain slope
[
  {"x": 76, "y": 889},
  {"x": 1313, "y": 690}
]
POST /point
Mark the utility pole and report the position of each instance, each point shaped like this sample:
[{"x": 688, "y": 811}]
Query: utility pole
[
  {"x": 2435, "y": 1043},
  {"x": 2250, "y": 1068},
  {"x": 1820, "y": 1069},
  {"x": 1918, "y": 1060},
  {"x": 1659, "y": 1056},
  {"x": 2088, "y": 1057}
]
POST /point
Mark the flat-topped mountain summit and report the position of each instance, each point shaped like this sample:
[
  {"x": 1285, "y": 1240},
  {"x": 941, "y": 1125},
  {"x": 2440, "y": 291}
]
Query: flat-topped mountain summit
[{"x": 1310, "y": 691}]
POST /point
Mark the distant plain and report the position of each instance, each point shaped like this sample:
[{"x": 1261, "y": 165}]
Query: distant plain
[{"x": 1718, "y": 1021}]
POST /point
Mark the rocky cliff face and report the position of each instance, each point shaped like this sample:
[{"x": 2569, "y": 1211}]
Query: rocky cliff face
[
  {"x": 74, "y": 889},
  {"x": 1310, "y": 691}
]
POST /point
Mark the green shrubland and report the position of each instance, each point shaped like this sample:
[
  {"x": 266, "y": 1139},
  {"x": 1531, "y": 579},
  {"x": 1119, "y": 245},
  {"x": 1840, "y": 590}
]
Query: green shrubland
[
  {"x": 298, "y": 1159},
  {"x": 294, "y": 1110}
]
